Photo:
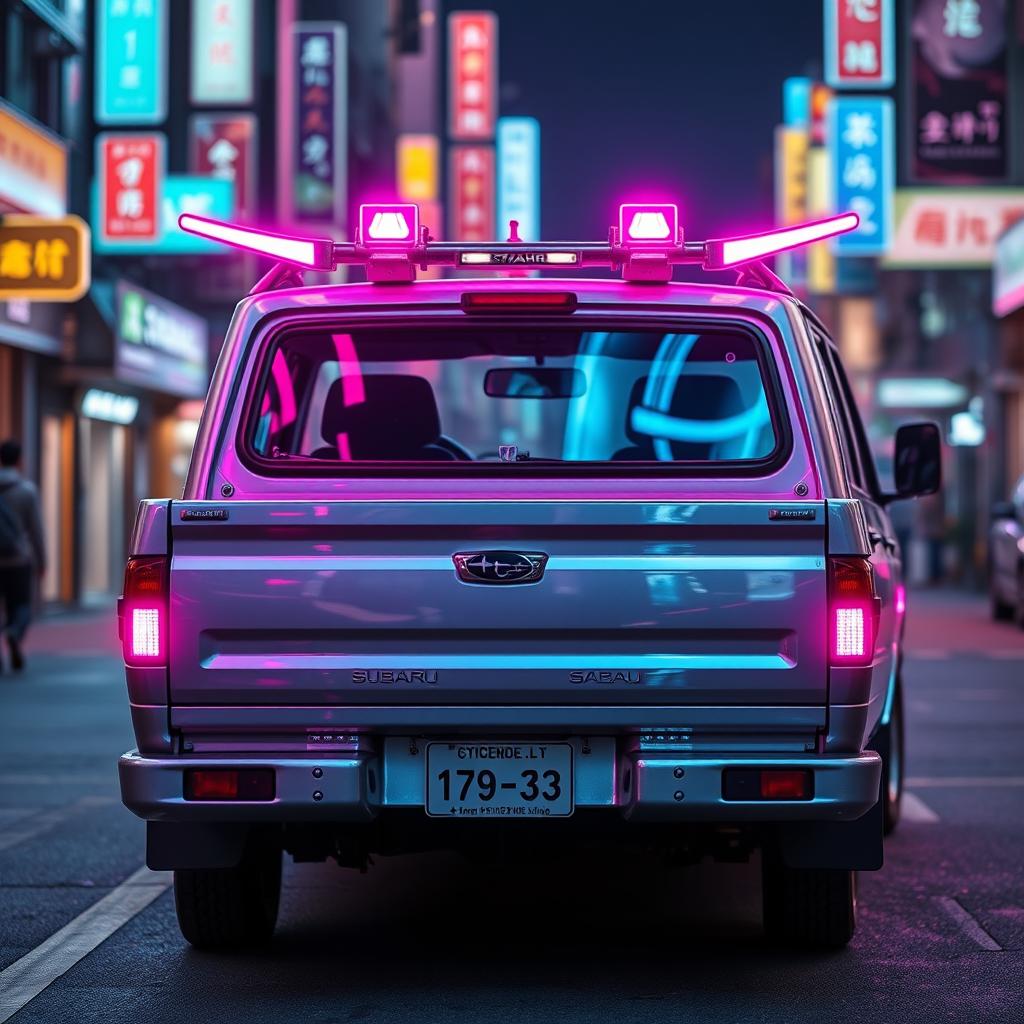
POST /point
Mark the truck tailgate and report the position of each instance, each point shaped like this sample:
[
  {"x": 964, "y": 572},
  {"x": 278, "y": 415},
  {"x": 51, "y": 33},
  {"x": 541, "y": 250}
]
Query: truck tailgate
[{"x": 358, "y": 602}]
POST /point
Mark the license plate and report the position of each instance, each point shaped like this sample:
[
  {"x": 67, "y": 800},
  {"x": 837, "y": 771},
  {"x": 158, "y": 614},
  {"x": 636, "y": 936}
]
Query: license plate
[{"x": 499, "y": 780}]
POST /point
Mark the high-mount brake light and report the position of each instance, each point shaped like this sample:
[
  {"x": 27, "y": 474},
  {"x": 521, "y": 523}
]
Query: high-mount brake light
[
  {"x": 853, "y": 611},
  {"x": 142, "y": 611},
  {"x": 311, "y": 253},
  {"x": 730, "y": 252},
  {"x": 519, "y": 302},
  {"x": 649, "y": 224},
  {"x": 389, "y": 225}
]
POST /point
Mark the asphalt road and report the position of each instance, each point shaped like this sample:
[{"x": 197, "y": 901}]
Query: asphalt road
[{"x": 432, "y": 939}]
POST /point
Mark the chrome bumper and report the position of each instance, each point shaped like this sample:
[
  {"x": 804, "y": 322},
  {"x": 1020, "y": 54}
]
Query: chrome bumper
[{"x": 639, "y": 785}]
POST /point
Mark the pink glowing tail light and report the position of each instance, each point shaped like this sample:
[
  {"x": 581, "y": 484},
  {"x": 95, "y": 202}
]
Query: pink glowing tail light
[
  {"x": 649, "y": 224},
  {"x": 853, "y": 611},
  {"x": 142, "y": 611},
  {"x": 729, "y": 252},
  {"x": 389, "y": 225},
  {"x": 312, "y": 253}
]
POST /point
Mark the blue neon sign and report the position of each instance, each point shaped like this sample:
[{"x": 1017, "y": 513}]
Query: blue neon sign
[
  {"x": 131, "y": 61},
  {"x": 519, "y": 176},
  {"x": 862, "y": 142}
]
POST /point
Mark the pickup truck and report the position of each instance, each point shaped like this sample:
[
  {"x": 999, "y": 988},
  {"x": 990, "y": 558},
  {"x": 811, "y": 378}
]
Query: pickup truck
[{"x": 490, "y": 564}]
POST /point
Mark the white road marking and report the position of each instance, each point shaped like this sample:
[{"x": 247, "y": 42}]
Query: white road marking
[
  {"x": 30, "y": 827},
  {"x": 964, "y": 921},
  {"x": 60, "y": 779},
  {"x": 1007, "y": 654},
  {"x": 26, "y": 978},
  {"x": 916, "y": 810},
  {"x": 964, "y": 781},
  {"x": 928, "y": 654}
]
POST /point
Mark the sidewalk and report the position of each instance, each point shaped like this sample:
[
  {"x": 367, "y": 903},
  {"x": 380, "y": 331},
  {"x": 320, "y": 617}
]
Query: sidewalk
[
  {"x": 85, "y": 632},
  {"x": 950, "y": 621}
]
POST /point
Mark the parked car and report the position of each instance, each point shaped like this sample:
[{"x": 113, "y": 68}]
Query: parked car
[
  {"x": 1006, "y": 558},
  {"x": 526, "y": 561}
]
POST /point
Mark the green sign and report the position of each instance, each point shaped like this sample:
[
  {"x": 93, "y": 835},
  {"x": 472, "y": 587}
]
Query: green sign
[{"x": 131, "y": 61}]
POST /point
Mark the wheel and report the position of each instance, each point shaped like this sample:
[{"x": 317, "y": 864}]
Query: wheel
[
  {"x": 222, "y": 908},
  {"x": 889, "y": 743},
  {"x": 814, "y": 908}
]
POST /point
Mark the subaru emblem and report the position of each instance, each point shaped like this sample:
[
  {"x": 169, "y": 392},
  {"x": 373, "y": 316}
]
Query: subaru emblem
[{"x": 501, "y": 567}]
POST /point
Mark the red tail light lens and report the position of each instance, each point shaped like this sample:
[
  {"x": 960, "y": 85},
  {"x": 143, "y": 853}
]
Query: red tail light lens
[
  {"x": 142, "y": 611},
  {"x": 853, "y": 611},
  {"x": 784, "y": 784},
  {"x": 249, "y": 784}
]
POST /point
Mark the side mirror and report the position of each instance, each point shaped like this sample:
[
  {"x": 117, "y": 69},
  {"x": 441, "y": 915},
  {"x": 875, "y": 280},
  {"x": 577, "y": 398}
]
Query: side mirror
[
  {"x": 1003, "y": 510},
  {"x": 917, "y": 465}
]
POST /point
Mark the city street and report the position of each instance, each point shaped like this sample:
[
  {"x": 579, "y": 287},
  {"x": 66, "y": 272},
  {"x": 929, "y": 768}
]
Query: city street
[{"x": 941, "y": 933}]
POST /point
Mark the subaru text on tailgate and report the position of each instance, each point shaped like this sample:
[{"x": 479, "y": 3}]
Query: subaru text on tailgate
[{"x": 521, "y": 561}]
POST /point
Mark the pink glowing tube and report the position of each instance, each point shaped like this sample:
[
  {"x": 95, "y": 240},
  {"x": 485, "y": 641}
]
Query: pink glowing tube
[
  {"x": 728, "y": 252},
  {"x": 313, "y": 253}
]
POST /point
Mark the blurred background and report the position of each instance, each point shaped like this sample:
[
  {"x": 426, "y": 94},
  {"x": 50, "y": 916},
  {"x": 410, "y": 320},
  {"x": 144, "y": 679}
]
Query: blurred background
[{"x": 127, "y": 113}]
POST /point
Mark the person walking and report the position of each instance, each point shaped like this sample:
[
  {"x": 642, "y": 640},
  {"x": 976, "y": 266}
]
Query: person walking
[{"x": 22, "y": 549}]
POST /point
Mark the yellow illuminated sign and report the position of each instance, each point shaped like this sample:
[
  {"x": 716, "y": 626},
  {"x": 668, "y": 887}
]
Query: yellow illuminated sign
[
  {"x": 417, "y": 168},
  {"x": 44, "y": 259},
  {"x": 791, "y": 146}
]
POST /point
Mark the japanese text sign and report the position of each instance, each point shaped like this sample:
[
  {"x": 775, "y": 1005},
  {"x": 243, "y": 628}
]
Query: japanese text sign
[
  {"x": 320, "y": 153},
  {"x": 473, "y": 71},
  {"x": 472, "y": 193},
  {"x": 222, "y": 51},
  {"x": 159, "y": 344},
  {"x": 43, "y": 259},
  {"x": 33, "y": 166},
  {"x": 518, "y": 176},
  {"x": 1008, "y": 271},
  {"x": 958, "y": 92},
  {"x": 131, "y": 170},
  {"x": 131, "y": 61},
  {"x": 951, "y": 227},
  {"x": 862, "y": 143},
  {"x": 859, "y": 43},
  {"x": 223, "y": 146}
]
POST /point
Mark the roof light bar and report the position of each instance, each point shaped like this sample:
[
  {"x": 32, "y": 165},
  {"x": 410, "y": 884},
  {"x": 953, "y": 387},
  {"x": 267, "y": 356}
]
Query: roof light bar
[
  {"x": 649, "y": 224},
  {"x": 729, "y": 252},
  {"x": 389, "y": 225},
  {"x": 541, "y": 257},
  {"x": 312, "y": 253}
]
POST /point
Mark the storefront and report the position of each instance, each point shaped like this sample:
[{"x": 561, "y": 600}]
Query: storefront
[
  {"x": 1008, "y": 381},
  {"x": 143, "y": 370}
]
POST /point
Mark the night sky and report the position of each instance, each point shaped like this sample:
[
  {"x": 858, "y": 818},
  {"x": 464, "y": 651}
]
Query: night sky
[{"x": 640, "y": 99}]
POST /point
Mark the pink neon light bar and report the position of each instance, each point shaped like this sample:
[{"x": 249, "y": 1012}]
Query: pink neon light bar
[
  {"x": 649, "y": 223},
  {"x": 394, "y": 224},
  {"x": 727, "y": 252},
  {"x": 314, "y": 253}
]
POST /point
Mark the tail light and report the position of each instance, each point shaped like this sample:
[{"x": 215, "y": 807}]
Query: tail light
[
  {"x": 142, "y": 611},
  {"x": 521, "y": 302},
  {"x": 247, "y": 784},
  {"x": 853, "y": 611}
]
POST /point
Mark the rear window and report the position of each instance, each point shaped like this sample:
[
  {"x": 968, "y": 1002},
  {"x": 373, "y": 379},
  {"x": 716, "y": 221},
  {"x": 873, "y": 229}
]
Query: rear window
[{"x": 462, "y": 397}]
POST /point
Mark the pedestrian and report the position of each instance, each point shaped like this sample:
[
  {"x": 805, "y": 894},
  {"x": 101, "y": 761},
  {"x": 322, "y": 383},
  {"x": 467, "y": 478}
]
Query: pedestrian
[{"x": 22, "y": 550}]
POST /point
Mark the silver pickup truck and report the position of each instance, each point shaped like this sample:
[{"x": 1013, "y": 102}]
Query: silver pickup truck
[{"x": 483, "y": 562}]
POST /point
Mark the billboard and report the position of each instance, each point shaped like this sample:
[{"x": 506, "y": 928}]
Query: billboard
[
  {"x": 131, "y": 62},
  {"x": 862, "y": 142},
  {"x": 33, "y": 166},
  {"x": 859, "y": 44},
  {"x": 222, "y": 52},
  {"x": 472, "y": 75},
  {"x": 1008, "y": 271},
  {"x": 518, "y": 176},
  {"x": 223, "y": 146},
  {"x": 951, "y": 228},
  {"x": 417, "y": 167},
  {"x": 130, "y": 172},
  {"x": 44, "y": 259},
  {"x": 319, "y": 158},
  {"x": 159, "y": 345},
  {"x": 959, "y": 96},
  {"x": 471, "y": 181}
]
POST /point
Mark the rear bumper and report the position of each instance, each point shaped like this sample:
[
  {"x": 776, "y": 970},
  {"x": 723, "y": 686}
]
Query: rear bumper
[{"x": 640, "y": 786}]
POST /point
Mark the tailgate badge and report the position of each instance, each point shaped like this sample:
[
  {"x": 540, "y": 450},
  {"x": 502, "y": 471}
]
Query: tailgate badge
[
  {"x": 203, "y": 515},
  {"x": 501, "y": 567},
  {"x": 791, "y": 513}
]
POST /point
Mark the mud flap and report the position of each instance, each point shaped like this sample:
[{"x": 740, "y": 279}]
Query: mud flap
[
  {"x": 848, "y": 845},
  {"x": 174, "y": 845}
]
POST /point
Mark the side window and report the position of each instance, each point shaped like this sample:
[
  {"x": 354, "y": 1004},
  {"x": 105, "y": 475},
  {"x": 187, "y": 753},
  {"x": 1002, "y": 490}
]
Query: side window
[
  {"x": 869, "y": 475},
  {"x": 851, "y": 453}
]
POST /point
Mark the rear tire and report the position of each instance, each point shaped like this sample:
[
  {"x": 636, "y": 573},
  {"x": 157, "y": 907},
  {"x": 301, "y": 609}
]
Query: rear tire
[
  {"x": 225, "y": 908},
  {"x": 890, "y": 745},
  {"x": 809, "y": 907}
]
